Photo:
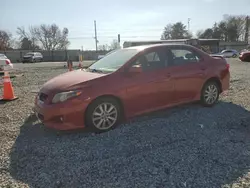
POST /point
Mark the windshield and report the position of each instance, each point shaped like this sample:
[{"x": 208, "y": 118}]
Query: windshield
[{"x": 114, "y": 61}]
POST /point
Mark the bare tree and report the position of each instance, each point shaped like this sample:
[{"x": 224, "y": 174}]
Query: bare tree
[
  {"x": 27, "y": 36},
  {"x": 114, "y": 45},
  {"x": 5, "y": 40},
  {"x": 230, "y": 29},
  {"x": 50, "y": 37},
  {"x": 103, "y": 47}
]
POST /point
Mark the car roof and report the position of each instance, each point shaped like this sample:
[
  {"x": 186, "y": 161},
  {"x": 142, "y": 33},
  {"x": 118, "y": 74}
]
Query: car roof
[
  {"x": 229, "y": 50},
  {"x": 143, "y": 47}
]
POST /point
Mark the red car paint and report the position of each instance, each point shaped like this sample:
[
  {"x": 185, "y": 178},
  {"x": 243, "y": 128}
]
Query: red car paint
[
  {"x": 139, "y": 92},
  {"x": 245, "y": 56}
]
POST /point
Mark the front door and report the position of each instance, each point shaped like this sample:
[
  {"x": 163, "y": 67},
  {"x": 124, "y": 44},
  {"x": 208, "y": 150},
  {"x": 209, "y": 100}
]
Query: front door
[{"x": 152, "y": 88}]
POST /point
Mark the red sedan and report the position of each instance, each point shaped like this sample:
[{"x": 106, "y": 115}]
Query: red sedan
[
  {"x": 245, "y": 56},
  {"x": 130, "y": 82}
]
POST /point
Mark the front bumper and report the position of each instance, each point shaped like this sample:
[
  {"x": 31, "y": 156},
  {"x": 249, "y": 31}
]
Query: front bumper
[{"x": 64, "y": 116}]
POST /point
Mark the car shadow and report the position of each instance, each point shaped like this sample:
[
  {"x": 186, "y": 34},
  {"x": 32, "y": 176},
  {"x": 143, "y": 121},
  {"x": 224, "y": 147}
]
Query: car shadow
[{"x": 187, "y": 146}]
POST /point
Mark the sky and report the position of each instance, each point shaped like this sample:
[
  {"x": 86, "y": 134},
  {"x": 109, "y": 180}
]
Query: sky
[{"x": 132, "y": 19}]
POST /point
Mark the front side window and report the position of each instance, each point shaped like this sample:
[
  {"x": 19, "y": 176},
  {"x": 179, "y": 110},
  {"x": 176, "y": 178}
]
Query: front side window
[
  {"x": 150, "y": 61},
  {"x": 32, "y": 54},
  {"x": 227, "y": 51}
]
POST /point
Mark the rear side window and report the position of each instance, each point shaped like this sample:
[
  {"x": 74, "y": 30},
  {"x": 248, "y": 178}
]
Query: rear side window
[{"x": 178, "y": 56}]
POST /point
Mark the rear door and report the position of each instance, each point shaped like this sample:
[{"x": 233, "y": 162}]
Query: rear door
[
  {"x": 228, "y": 53},
  {"x": 187, "y": 70}
]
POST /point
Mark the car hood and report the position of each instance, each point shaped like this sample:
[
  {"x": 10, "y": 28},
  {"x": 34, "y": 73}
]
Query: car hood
[
  {"x": 69, "y": 80},
  {"x": 245, "y": 52}
]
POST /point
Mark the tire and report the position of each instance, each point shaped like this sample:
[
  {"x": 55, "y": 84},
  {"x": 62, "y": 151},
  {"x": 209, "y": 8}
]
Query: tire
[
  {"x": 247, "y": 59},
  {"x": 94, "y": 111},
  {"x": 212, "y": 86},
  {"x": 234, "y": 56}
]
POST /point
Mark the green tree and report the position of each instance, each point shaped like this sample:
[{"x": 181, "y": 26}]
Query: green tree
[
  {"x": 175, "y": 31},
  {"x": 167, "y": 32},
  {"x": 179, "y": 31},
  {"x": 207, "y": 34}
]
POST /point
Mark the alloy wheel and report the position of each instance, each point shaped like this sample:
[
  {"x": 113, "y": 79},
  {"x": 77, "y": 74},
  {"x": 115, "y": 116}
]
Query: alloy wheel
[
  {"x": 211, "y": 94},
  {"x": 104, "y": 116}
]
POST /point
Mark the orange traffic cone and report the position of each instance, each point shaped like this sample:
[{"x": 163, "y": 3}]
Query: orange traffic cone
[
  {"x": 80, "y": 65},
  {"x": 8, "y": 91}
]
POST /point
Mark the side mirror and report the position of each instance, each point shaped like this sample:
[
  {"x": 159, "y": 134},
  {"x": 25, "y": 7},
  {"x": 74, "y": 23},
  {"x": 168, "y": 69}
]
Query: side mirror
[{"x": 135, "y": 69}]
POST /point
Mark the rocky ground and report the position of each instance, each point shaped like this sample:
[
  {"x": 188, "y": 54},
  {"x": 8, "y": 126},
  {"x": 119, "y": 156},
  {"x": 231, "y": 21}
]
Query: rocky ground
[{"x": 188, "y": 146}]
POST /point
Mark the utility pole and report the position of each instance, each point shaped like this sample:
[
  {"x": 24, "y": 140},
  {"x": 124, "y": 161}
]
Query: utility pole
[
  {"x": 188, "y": 23},
  {"x": 96, "y": 41},
  {"x": 247, "y": 29},
  {"x": 119, "y": 40},
  {"x": 33, "y": 44}
]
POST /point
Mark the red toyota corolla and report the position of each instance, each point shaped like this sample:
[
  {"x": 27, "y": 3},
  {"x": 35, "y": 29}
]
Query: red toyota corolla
[{"x": 130, "y": 82}]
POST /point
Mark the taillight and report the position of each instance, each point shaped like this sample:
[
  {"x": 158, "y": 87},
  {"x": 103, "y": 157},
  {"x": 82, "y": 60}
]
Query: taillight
[{"x": 7, "y": 62}]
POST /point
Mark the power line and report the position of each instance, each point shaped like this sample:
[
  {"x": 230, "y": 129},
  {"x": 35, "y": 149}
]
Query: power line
[{"x": 89, "y": 37}]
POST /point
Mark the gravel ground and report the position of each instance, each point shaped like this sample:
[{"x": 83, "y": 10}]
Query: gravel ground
[{"x": 188, "y": 146}]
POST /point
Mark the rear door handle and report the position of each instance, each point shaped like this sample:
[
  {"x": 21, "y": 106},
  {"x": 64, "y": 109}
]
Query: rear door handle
[{"x": 168, "y": 75}]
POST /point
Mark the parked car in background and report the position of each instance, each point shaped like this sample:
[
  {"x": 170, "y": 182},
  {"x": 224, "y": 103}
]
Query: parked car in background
[
  {"x": 5, "y": 63},
  {"x": 130, "y": 82},
  {"x": 32, "y": 57},
  {"x": 100, "y": 56},
  {"x": 229, "y": 53},
  {"x": 245, "y": 56}
]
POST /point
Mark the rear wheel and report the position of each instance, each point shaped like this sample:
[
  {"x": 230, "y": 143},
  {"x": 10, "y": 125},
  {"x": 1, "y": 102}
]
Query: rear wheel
[
  {"x": 103, "y": 115},
  {"x": 210, "y": 94}
]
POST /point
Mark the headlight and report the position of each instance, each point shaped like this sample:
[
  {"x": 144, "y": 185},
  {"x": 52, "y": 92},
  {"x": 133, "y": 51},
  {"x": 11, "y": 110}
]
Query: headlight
[{"x": 61, "y": 97}]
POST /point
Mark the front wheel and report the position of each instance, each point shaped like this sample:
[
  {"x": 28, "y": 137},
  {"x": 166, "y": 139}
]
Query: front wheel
[
  {"x": 234, "y": 56},
  {"x": 210, "y": 94},
  {"x": 103, "y": 115}
]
